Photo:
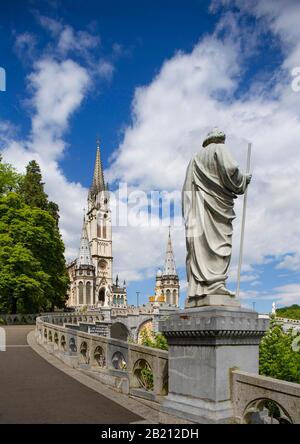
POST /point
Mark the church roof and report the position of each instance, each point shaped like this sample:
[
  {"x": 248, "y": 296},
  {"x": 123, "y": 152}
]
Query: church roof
[
  {"x": 84, "y": 255},
  {"x": 98, "y": 178},
  {"x": 170, "y": 268}
]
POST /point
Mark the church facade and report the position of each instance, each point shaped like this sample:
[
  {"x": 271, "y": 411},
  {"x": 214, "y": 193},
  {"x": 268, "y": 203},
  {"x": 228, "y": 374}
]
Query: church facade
[{"x": 91, "y": 274}]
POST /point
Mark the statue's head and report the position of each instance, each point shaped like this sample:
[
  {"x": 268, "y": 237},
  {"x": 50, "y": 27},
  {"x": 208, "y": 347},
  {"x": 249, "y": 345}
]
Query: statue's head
[{"x": 214, "y": 136}]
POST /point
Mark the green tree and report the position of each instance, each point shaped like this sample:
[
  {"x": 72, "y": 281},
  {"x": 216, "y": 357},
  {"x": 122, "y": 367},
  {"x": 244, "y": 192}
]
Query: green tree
[
  {"x": 9, "y": 179},
  {"x": 154, "y": 340},
  {"x": 53, "y": 209},
  {"x": 291, "y": 312},
  {"x": 33, "y": 275},
  {"x": 32, "y": 190},
  {"x": 277, "y": 358}
]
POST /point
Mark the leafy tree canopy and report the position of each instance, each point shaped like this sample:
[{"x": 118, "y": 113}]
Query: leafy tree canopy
[
  {"x": 32, "y": 190},
  {"x": 9, "y": 179},
  {"x": 155, "y": 340},
  {"x": 291, "y": 312},
  {"x": 33, "y": 275},
  {"x": 278, "y": 357}
]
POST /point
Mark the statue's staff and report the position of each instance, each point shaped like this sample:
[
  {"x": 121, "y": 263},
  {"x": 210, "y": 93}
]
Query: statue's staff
[{"x": 243, "y": 225}]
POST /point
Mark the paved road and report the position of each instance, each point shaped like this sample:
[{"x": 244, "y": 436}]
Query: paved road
[{"x": 33, "y": 391}]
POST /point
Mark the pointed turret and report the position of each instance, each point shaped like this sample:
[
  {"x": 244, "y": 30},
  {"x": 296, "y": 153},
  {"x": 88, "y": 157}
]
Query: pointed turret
[
  {"x": 167, "y": 281},
  {"x": 170, "y": 268},
  {"x": 84, "y": 255},
  {"x": 98, "y": 179}
]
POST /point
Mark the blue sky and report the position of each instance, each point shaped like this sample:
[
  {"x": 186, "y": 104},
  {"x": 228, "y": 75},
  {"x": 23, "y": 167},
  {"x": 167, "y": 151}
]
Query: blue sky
[
  {"x": 135, "y": 36},
  {"x": 151, "y": 78}
]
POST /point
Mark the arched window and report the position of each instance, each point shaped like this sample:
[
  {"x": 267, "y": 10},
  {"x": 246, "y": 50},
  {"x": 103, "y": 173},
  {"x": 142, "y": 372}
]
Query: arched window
[
  {"x": 168, "y": 297},
  {"x": 101, "y": 297},
  {"x": 174, "y": 297},
  {"x": 88, "y": 293},
  {"x": 104, "y": 230},
  {"x": 80, "y": 292}
]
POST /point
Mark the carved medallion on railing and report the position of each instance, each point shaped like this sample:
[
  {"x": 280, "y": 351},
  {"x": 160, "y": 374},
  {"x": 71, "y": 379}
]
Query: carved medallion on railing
[
  {"x": 84, "y": 353},
  {"x": 63, "y": 343},
  {"x": 144, "y": 374},
  {"x": 99, "y": 356},
  {"x": 118, "y": 361},
  {"x": 265, "y": 411},
  {"x": 72, "y": 345}
]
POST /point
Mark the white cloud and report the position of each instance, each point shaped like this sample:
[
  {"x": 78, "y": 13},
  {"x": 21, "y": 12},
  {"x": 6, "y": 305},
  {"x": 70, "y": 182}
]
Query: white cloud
[
  {"x": 290, "y": 262},
  {"x": 198, "y": 90},
  {"x": 57, "y": 86},
  {"x": 146, "y": 252},
  {"x": 283, "y": 295},
  {"x": 166, "y": 126},
  {"x": 25, "y": 44},
  {"x": 52, "y": 25},
  {"x": 287, "y": 294},
  {"x": 280, "y": 17},
  {"x": 69, "y": 42},
  {"x": 250, "y": 294},
  {"x": 81, "y": 41},
  {"x": 105, "y": 69},
  {"x": 191, "y": 93},
  {"x": 58, "y": 89}
]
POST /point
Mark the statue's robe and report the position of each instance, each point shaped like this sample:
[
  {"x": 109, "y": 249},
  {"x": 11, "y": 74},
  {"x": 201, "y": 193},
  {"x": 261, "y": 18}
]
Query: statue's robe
[{"x": 212, "y": 182}]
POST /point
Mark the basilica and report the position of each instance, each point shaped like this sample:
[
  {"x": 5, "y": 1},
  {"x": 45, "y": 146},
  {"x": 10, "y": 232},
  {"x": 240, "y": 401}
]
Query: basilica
[{"x": 91, "y": 273}]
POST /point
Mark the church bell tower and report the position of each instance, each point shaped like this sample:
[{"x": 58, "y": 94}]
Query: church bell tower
[{"x": 99, "y": 230}]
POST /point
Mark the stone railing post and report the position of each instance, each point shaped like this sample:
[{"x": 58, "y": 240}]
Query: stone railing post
[
  {"x": 158, "y": 372},
  {"x": 204, "y": 345}
]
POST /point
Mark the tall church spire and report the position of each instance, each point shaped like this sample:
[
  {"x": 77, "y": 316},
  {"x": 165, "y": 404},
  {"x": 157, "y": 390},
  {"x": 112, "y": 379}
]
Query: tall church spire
[
  {"x": 84, "y": 255},
  {"x": 98, "y": 179},
  {"x": 170, "y": 268}
]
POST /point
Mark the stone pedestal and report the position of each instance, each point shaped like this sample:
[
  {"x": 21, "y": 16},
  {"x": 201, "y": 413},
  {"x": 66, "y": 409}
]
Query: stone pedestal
[
  {"x": 219, "y": 300},
  {"x": 204, "y": 345}
]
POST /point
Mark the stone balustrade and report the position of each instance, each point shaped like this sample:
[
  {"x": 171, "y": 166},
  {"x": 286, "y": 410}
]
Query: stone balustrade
[
  {"x": 260, "y": 399},
  {"x": 288, "y": 321},
  {"x": 55, "y": 317},
  {"x": 71, "y": 318},
  {"x": 143, "y": 371},
  {"x": 18, "y": 319},
  {"x": 288, "y": 324},
  {"x": 130, "y": 368}
]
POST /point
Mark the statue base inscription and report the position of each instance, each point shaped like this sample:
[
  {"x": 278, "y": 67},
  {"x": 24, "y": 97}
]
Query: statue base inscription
[{"x": 204, "y": 345}]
